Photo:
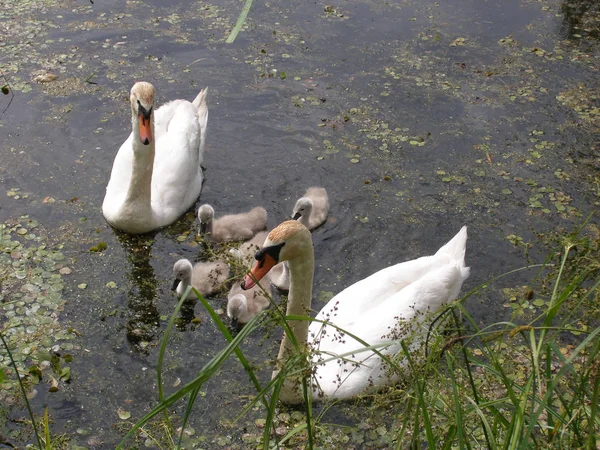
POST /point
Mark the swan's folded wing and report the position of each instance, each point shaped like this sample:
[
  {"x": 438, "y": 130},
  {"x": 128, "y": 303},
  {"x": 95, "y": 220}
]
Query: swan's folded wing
[
  {"x": 364, "y": 295},
  {"x": 177, "y": 175}
]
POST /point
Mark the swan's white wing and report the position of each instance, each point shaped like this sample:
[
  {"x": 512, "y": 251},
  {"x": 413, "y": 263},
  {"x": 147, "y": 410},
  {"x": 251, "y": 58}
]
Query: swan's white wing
[
  {"x": 177, "y": 175},
  {"x": 364, "y": 295},
  {"x": 397, "y": 317}
]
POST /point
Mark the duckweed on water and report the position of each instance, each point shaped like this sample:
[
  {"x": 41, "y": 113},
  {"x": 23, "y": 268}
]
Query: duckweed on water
[{"x": 31, "y": 297}]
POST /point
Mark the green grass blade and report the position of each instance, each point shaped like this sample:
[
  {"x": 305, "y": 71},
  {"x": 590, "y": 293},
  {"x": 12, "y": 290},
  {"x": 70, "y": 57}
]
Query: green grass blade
[
  {"x": 550, "y": 388},
  {"x": 204, "y": 374},
  {"x": 25, "y": 399},
  {"x": 593, "y": 416},
  {"x": 515, "y": 432},
  {"x": 186, "y": 415},
  {"x": 240, "y": 22},
  {"x": 248, "y": 328},
  {"x": 279, "y": 380},
  {"x": 163, "y": 348},
  {"x": 404, "y": 428},
  {"x": 308, "y": 409},
  {"x": 460, "y": 426},
  {"x": 491, "y": 444},
  {"x": 420, "y": 391},
  {"x": 471, "y": 379},
  {"x": 47, "y": 441}
]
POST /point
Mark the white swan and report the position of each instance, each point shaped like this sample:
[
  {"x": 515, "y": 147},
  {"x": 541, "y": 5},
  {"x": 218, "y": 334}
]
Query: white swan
[
  {"x": 232, "y": 227},
  {"x": 312, "y": 208},
  {"x": 156, "y": 175},
  {"x": 206, "y": 277},
  {"x": 243, "y": 305},
  {"x": 380, "y": 309}
]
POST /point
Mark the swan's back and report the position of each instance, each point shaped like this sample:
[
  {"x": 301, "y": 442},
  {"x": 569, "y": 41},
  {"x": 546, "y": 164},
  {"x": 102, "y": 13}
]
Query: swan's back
[
  {"x": 387, "y": 306},
  {"x": 370, "y": 292}
]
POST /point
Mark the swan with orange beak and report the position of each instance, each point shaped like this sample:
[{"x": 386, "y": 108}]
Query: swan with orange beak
[{"x": 157, "y": 173}]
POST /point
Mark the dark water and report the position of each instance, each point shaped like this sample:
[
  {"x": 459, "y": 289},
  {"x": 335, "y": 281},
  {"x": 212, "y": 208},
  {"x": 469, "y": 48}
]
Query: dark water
[{"x": 362, "y": 81}]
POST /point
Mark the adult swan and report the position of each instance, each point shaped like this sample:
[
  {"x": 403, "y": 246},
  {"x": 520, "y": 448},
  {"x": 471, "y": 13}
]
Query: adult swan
[
  {"x": 380, "y": 310},
  {"x": 157, "y": 174}
]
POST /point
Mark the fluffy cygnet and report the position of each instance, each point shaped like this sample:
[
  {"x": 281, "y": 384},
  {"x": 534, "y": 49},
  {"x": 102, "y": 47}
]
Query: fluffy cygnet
[
  {"x": 232, "y": 227},
  {"x": 206, "y": 277},
  {"x": 242, "y": 305},
  {"x": 312, "y": 209}
]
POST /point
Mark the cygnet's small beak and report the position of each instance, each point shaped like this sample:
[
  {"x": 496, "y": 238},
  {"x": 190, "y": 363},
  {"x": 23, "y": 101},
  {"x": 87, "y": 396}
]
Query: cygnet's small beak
[
  {"x": 235, "y": 324},
  {"x": 296, "y": 216},
  {"x": 175, "y": 284},
  {"x": 203, "y": 227}
]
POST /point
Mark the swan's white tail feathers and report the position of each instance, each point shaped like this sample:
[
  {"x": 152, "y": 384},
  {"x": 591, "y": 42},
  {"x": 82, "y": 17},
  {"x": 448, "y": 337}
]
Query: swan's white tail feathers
[
  {"x": 455, "y": 248},
  {"x": 200, "y": 99},
  {"x": 200, "y": 103},
  {"x": 452, "y": 280}
]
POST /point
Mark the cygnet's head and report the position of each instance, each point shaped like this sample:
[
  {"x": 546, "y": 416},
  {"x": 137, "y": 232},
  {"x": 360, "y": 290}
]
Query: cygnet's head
[
  {"x": 237, "y": 309},
  {"x": 303, "y": 208},
  {"x": 206, "y": 213},
  {"x": 182, "y": 270}
]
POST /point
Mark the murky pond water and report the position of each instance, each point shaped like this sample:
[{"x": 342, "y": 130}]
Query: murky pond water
[{"x": 418, "y": 117}]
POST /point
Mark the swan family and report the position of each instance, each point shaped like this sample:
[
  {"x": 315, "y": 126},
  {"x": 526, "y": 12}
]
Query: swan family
[{"x": 157, "y": 176}]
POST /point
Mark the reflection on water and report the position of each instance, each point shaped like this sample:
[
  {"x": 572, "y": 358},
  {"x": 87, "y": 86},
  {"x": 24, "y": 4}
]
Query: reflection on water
[
  {"x": 580, "y": 17},
  {"x": 143, "y": 319}
]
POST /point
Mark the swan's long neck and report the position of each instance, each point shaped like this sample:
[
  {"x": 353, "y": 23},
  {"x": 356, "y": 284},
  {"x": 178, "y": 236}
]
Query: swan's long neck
[
  {"x": 299, "y": 302},
  {"x": 139, "y": 192}
]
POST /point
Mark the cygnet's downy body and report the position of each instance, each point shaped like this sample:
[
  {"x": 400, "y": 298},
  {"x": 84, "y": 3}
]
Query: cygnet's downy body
[
  {"x": 231, "y": 227},
  {"x": 206, "y": 277},
  {"x": 243, "y": 305}
]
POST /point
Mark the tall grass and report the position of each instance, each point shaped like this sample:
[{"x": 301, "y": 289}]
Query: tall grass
[
  {"x": 509, "y": 385},
  {"x": 22, "y": 387}
]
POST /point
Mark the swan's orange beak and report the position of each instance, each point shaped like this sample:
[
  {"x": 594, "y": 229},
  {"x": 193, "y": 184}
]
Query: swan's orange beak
[
  {"x": 259, "y": 270},
  {"x": 145, "y": 130}
]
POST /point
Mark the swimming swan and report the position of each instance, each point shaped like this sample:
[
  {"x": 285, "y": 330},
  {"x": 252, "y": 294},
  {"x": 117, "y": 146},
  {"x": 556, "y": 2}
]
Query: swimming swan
[
  {"x": 379, "y": 309},
  {"x": 312, "y": 208},
  {"x": 232, "y": 227},
  {"x": 156, "y": 175},
  {"x": 206, "y": 277}
]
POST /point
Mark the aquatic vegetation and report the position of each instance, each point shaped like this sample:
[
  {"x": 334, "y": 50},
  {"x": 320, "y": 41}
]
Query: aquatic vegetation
[
  {"x": 32, "y": 279},
  {"x": 416, "y": 113}
]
